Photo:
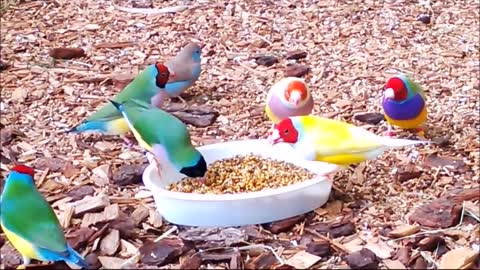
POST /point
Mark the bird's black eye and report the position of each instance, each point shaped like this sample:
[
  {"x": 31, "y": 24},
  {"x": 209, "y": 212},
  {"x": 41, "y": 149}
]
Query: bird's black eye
[{"x": 286, "y": 131}]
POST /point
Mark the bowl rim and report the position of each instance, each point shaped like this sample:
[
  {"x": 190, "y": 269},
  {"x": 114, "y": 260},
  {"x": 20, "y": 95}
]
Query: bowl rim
[{"x": 162, "y": 192}]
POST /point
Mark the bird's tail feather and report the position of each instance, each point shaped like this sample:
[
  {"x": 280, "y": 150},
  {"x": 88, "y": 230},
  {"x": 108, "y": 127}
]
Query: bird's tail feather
[
  {"x": 89, "y": 126},
  {"x": 75, "y": 258},
  {"x": 69, "y": 256},
  {"x": 393, "y": 142}
]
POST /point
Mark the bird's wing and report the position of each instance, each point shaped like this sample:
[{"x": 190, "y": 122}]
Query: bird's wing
[
  {"x": 334, "y": 138},
  {"x": 183, "y": 70},
  {"x": 413, "y": 86},
  {"x": 31, "y": 218}
]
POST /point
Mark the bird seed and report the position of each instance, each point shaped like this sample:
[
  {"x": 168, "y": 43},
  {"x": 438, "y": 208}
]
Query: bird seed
[{"x": 243, "y": 173}]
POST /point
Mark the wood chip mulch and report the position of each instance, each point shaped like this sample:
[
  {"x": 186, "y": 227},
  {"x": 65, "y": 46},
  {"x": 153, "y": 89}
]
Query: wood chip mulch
[{"x": 410, "y": 209}]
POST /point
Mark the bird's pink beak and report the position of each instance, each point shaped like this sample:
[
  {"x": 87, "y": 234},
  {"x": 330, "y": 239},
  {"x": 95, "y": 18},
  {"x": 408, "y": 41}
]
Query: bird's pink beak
[
  {"x": 389, "y": 94},
  {"x": 274, "y": 137},
  {"x": 296, "y": 101}
]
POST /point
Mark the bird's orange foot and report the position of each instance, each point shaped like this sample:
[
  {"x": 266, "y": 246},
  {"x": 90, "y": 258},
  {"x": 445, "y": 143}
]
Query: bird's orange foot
[{"x": 420, "y": 133}]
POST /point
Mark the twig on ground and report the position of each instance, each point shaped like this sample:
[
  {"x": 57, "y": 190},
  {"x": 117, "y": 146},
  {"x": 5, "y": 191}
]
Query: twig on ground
[{"x": 151, "y": 11}]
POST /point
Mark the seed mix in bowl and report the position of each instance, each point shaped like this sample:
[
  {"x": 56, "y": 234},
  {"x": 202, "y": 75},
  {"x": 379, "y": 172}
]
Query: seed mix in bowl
[{"x": 243, "y": 173}]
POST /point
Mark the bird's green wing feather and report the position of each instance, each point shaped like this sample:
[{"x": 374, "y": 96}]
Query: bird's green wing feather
[
  {"x": 413, "y": 86},
  {"x": 142, "y": 88},
  {"x": 30, "y": 216}
]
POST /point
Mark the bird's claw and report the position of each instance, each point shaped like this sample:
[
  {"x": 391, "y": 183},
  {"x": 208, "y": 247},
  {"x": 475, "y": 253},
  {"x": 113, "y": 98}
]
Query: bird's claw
[
  {"x": 128, "y": 142},
  {"x": 389, "y": 133},
  {"x": 185, "y": 103},
  {"x": 420, "y": 133}
]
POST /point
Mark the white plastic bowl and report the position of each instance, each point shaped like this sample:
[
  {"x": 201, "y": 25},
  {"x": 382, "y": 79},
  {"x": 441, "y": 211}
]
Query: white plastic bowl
[{"x": 242, "y": 208}]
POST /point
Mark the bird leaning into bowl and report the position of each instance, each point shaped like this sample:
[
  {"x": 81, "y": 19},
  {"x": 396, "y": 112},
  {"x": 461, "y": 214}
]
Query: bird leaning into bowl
[
  {"x": 147, "y": 86},
  {"x": 30, "y": 224},
  {"x": 316, "y": 138},
  {"x": 163, "y": 135},
  {"x": 404, "y": 105},
  {"x": 288, "y": 97}
]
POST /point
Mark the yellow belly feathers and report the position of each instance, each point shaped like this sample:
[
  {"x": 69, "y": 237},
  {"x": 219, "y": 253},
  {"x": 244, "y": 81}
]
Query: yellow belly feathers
[
  {"x": 119, "y": 126},
  {"x": 24, "y": 247},
  {"x": 409, "y": 124}
]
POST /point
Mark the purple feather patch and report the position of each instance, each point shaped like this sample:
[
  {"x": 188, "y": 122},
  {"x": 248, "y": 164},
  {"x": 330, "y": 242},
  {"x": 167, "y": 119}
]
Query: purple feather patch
[{"x": 405, "y": 110}]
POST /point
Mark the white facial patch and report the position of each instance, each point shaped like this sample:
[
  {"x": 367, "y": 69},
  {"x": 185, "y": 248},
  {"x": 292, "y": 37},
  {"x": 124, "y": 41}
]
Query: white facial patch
[
  {"x": 389, "y": 93},
  {"x": 295, "y": 97}
]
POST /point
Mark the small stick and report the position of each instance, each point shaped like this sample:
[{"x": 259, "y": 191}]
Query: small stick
[
  {"x": 151, "y": 11},
  {"x": 332, "y": 242},
  {"x": 43, "y": 177},
  {"x": 244, "y": 248}
]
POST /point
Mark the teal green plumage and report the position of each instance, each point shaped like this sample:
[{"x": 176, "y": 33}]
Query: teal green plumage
[
  {"x": 164, "y": 135},
  {"x": 30, "y": 223},
  {"x": 146, "y": 87}
]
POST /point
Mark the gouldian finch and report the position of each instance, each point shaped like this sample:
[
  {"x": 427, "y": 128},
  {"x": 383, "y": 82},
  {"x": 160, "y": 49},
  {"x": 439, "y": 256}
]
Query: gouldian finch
[
  {"x": 404, "y": 104},
  {"x": 316, "y": 138},
  {"x": 288, "y": 97},
  {"x": 29, "y": 222},
  {"x": 187, "y": 67},
  {"x": 146, "y": 86},
  {"x": 163, "y": 135}
]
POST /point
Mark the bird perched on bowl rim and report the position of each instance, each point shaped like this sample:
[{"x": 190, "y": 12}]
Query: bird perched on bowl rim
[
  {"x": 404, "y": 105},
  {"x": 316, "y": 138}
]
